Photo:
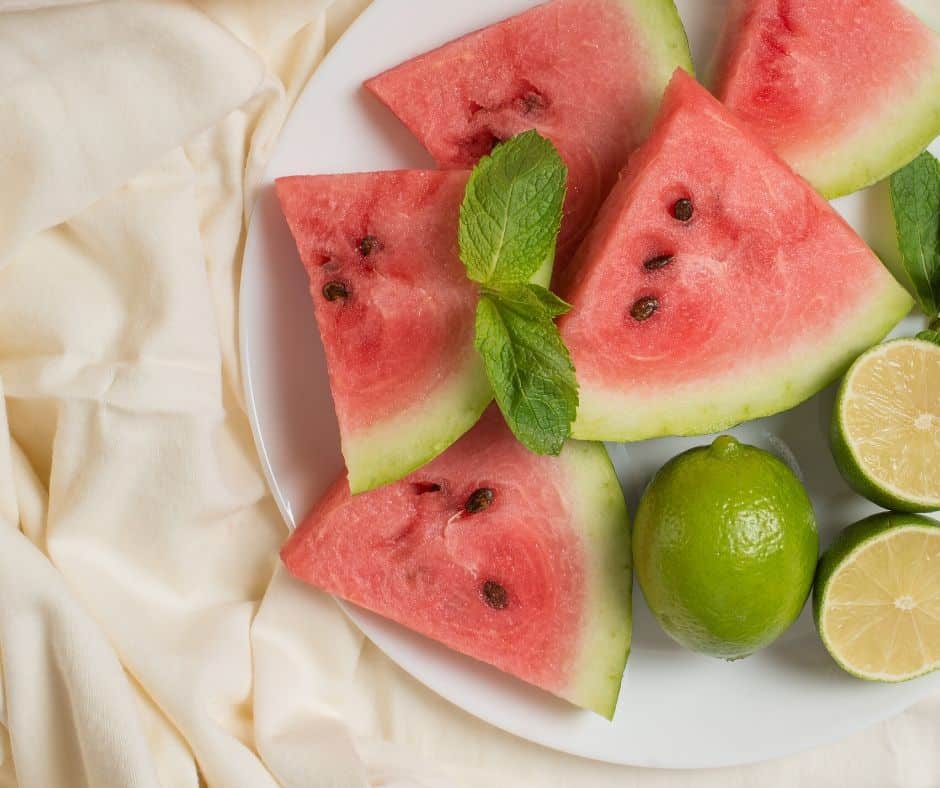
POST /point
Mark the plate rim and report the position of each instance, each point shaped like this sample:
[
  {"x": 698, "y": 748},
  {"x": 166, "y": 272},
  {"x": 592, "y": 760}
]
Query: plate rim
[{"x": 361, "y": 617}]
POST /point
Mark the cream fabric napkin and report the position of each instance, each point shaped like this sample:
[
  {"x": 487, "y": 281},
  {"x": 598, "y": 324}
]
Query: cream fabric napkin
[{"x": 146, "y": 637}]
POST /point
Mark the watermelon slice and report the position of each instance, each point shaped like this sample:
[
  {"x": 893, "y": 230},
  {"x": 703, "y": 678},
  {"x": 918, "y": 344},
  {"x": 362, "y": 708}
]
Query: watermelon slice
[
  {"x": 716, "y": 285},
  {"x": 588, "y": 74},
  {"x": 516, "y": 559},
  {"x": 847, "y": 92},
  {"x": 395, "y": 311}
]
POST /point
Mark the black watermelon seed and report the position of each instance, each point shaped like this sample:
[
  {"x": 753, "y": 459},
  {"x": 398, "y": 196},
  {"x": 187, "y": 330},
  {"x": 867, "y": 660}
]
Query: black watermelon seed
[
  {"x": 655, "y": 263},
  {"x": 421, "y": 488},
  {"x": 334, "y": 290},
  {"x": 495, "y": 595},
  {"x": 479, "y": 500},
  {"x": 532, "y": 101},
  {"x": 682, "y": 209},
  {"x": 369, "y": 244},
  {"x": 644, "y": 308}
]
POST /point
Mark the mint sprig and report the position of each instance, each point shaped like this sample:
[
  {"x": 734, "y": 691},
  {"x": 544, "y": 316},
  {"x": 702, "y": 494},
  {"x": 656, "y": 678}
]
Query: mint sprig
[
  {"x": 915, "y": 201},
  {"x": 509, "y": 222}
]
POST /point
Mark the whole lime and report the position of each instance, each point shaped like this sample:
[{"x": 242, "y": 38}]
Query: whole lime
[{"x": 725, "y": 547}]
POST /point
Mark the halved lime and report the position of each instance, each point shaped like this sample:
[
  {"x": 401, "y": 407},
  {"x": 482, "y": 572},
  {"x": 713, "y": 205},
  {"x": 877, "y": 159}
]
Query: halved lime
[
  {"x": 886, "y": 425},
  {"x": 877, "y": 597}
]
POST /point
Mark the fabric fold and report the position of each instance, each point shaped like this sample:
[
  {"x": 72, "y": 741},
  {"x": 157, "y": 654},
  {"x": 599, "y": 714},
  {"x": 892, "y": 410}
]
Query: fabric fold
[
  {"x": 91, "y": 94},
  {"x": 56, "y": 667}
]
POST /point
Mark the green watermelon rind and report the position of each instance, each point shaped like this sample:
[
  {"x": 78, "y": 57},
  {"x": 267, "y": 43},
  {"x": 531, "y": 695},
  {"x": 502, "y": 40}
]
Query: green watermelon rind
[
  {"x": 666, "y": 39},
  {"x": 391, "y": 449},
  {"x": 598, "y": 506},
  {"x": 894, "y": 138},
  {"x": 659, "y": 27},
  {"x": 613, "y": 415}
]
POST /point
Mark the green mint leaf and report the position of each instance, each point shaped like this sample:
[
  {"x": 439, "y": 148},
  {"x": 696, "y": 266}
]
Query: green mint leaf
[
  {"x": 511, "y": 211},
  {"x": 552, "y": 304},
  {"x": 915, "y": 200},
  {"x": 528, "y": 364}
]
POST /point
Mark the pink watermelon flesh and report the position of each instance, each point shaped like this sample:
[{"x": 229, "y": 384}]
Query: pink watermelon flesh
[
  {"x": 845, "y": 91},
  {"x": 508, "y": 580},
  {"x": 395, "y": 311},
  {"x": 582, "y": 72},
  {"x": 748, "y": 307}
]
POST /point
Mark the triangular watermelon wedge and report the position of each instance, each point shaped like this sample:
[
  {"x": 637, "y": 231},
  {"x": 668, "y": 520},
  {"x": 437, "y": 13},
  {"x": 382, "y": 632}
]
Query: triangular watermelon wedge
[
  {"x": 395, "y": 311},
  {"x": 716, "y": 286},
  {"x": 587, "y": 74},
  {"x": 516, "y": 559},
  {"x": 847, "y": 92}
]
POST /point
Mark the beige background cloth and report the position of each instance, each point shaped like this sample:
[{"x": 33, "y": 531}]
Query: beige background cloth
[{"x": 146, "y": 638}]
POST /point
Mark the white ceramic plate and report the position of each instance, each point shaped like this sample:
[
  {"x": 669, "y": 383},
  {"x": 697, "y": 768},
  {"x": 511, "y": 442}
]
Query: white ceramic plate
[{"x": 676, "y": 709}]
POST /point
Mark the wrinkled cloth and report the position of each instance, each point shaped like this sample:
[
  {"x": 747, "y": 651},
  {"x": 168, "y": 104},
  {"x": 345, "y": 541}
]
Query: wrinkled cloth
[{"x": 147, "y": 637}]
